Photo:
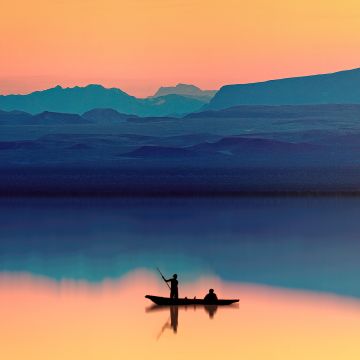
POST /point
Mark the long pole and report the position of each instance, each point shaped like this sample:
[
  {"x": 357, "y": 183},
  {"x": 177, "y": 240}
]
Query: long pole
[{"x": 163, "y": 278}]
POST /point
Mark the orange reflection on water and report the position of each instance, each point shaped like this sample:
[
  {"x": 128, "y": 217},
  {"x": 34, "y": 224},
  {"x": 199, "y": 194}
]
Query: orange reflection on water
[{"x": 44, "y": 320}]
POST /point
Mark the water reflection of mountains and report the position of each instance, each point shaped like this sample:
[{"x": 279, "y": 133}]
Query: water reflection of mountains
[{"x": 299, "y": 243}]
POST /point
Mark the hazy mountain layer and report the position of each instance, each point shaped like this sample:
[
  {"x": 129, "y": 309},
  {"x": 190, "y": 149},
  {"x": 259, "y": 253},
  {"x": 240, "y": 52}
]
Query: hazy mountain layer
[{"x": 186, "y": 90}]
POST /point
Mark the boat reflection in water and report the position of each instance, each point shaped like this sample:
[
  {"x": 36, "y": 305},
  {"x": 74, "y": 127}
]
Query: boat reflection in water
[
  {"x": 211, "y": 310},
  {"x": 173, "y": 320}
]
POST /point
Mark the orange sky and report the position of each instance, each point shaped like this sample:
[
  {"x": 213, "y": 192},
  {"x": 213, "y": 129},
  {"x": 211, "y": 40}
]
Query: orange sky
[{"x": 138, "y": 45}]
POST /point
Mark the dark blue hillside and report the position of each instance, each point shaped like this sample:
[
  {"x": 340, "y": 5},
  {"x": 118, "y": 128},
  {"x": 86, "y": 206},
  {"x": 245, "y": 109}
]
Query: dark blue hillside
[
  {"x": 239, "y": 145},
  {"x": 160, "y": 152}
]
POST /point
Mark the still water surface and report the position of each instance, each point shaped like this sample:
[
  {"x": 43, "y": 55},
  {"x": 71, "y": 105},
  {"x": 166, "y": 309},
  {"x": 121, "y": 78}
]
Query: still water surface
[{"x": 73, "y": 275}]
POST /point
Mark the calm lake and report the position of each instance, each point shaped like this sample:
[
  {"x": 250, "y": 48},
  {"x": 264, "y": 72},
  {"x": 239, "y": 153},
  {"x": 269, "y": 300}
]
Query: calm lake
[{"x": 74, "y": 273}]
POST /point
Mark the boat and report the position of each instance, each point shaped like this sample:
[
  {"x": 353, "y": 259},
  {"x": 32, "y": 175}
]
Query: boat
[{"x": 158, "y": 300}]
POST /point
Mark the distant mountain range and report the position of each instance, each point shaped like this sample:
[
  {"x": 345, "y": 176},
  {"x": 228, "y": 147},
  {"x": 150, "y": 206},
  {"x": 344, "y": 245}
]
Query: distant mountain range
[
  {"x": 187, "y": 90},
  {"x": 78, "y": 100},
  {"x": 335, "y": 88}
]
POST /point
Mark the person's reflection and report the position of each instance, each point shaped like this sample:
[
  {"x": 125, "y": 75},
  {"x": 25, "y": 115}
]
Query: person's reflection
[
  {"x": 174, "y": 319},
  {"x": 211, "y": 310}
]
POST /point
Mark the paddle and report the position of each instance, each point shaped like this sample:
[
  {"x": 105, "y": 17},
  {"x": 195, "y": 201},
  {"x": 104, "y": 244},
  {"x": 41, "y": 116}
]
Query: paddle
[{"x": 163, "y": 277}]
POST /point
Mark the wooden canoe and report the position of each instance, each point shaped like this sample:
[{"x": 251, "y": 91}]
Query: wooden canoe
[{"x": 158, "y": 300}]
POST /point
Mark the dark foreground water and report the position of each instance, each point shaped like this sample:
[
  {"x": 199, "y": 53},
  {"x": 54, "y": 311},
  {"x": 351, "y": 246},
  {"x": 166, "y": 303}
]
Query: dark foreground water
[{"x": 73, "y": 275}]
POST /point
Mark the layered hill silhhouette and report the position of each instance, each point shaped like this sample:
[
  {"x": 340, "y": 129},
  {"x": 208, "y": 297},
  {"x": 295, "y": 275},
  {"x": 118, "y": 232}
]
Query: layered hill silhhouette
[{"x": 243, "y": 149}]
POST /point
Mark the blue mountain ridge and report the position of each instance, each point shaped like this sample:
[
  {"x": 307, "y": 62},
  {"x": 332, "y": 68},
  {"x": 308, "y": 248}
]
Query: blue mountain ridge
[
  {"x": 79, "y": 100},
  {"x": 336, "y": 88}
]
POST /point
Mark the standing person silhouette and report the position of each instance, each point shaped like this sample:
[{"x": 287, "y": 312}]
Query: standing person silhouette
[{"x": 174, "y": 293}]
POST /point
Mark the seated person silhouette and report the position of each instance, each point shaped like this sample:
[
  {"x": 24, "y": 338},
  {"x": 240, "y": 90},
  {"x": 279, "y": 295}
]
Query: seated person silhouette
[
  {"x": 174, "y": 294},
  {"x": 211, "y": 297}
]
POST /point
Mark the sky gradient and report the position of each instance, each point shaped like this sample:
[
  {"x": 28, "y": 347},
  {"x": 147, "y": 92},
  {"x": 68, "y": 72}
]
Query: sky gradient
[{"x": 139, "y": 45}]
